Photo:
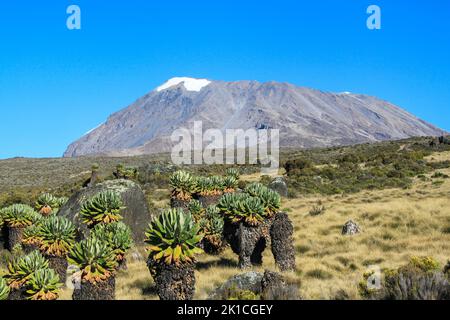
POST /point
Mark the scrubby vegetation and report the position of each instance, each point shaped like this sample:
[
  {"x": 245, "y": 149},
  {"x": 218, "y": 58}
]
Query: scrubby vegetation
[{"x": 396, "y": 191}]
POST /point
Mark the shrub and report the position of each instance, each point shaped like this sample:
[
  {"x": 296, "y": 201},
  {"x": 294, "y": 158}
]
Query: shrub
[
  {"x": 43, "y": 285},
  {"x": 56, "y": 236},
  {"x": 4, "y": 289},
  {"x": 173, "y": 238},
  {"x": 21, "y": 270},
  {"x": 317, "y": 209},
  {"x": 47, "y": 204},
  {"x": 230, "y": 184},
  {"x": 117, "y": 235},
  {"x": 19, "y": 215},
  {"x": 104, "y": 207},
  {"x": 95, "y": 258},
  {"x": 233, "y": 172},
  {"x": 242, "y": 207},
  {"x": 212, "y": 225},
  {"x": 123, "y": 172},
  {"x": 243, "y": 295},
  {"x": 196, "y": 209},
  {"x": 183, "y": 184},
  {"x": 31, "y": 235},
  {"x": 420, "y": 279}
]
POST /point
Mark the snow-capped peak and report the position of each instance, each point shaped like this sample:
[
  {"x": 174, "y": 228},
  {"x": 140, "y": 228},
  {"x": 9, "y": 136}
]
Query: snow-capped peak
[{"x": 190, "y": 84}]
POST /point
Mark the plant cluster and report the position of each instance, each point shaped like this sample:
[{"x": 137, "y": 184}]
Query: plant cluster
[
  {"x": 252, "y": 207},
  {"x": 47, "y": 204},
  {"x": 95, "y": 258},
  {"x": 420, "y": 279},
  {"x": 99, "y": 255},
  {"x": 117, "y": 236},
  {"x": 4, "y": 289},
  {"x": 173, "y": 238},
  {"x": 183, "y": 184},
  {"x": 19, "y": 216},
  {"x": 186, "y": 186},
  {"x": 55, "y": 236},
  {"x": 32, "y": 274},
  {"x": 211, "y": 225},
  {"x": 104, "y": 207},
  {"x": 123, "y": 172}
]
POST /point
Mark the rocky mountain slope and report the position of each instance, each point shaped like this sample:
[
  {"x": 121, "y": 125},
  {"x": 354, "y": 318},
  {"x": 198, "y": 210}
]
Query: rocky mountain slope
[{"x": 305, "y": 117}]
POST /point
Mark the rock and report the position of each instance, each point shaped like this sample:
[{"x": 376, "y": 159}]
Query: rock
[
  {"x": 250, "y": 281},
  {"x": 135, "y": 215},
  {"x": 350, "y": 228},
  {"x": 274, "y": 287},
  {"x": 279, "y": 185},
  {"x": 447, "y": 269},
  {"x": 135, "y": 255},
  {"x": 282, "y": 242},
  {"x": 268, "y": 285}
]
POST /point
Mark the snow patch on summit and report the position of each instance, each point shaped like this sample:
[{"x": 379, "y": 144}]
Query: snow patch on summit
[{"x": 190, "y": 84}]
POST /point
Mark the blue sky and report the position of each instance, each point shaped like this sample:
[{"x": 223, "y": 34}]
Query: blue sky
[{"x": 56, "y": 84}]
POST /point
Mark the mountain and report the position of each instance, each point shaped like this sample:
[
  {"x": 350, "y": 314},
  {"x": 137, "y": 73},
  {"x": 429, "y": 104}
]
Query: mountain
[{"x": 305, "y": 117}]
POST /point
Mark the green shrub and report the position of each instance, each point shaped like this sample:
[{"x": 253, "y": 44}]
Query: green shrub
[
  {"x": 117, "y": 235},
  {"x": 19, "y": 215},
  {"x": 173, "y": 237},
  {"x": 104, "y": 207},
  {"x": 95, "y": 258},
  {"x": 4, "y": 289}
]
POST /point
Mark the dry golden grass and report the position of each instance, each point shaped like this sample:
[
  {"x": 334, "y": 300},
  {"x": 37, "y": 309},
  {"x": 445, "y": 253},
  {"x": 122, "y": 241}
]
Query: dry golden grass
[
  {"x": 396, "y": 224},
  {"x": 438, "y": 156}
]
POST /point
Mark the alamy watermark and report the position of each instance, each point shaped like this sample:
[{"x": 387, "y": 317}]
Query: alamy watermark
[
  {"x": 73, "y": 22},
  {"x": 374, "y": 20},
  {"x": 229, "y": 146}
]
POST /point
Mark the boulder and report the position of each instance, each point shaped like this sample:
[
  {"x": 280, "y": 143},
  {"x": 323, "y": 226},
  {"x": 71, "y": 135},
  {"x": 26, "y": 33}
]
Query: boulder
[
  {"x": 275, "y": 287},
  {"x": 135, "y": 214},
  {"x": 268, "y": 286},
  {"x": 250, "y": 281},
  {"x": 279, "y": 185},
  {"x": 350, "y": 228}
]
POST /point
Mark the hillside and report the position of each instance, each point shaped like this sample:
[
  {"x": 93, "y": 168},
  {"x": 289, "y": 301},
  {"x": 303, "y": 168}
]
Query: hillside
[{"x": 306, "y": 118}]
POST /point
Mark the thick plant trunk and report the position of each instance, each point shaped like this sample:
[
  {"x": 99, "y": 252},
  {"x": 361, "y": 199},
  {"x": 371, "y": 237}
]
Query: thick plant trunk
[
  {"x": 282, "y": 242},
  {"x": 213, "y": 245},
  {"x": 15, "y": 235},
  {"x": 17, "y": 294},
  {"x": 3, "y": 237},
  {"x": 231, "y": 235},
  {"x": 104, "y": 290},
  {"x": 177, "y": 203},
  {"x": 252, "y": 244},
  {"x": 207, "y": 201},
  {"x": 59, "y": 264},
  {"x": 249, "y": 242},
  {"x": 29, "y": 248},
  {"x": 173, "y": 282}
]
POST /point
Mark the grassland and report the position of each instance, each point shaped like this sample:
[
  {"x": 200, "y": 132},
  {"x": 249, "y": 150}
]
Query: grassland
[{"x": 410, "y": 217}]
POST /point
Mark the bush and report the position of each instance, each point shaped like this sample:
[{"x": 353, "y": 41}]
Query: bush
[
  {"x": 420, "y": 279},
  {"x": 317, "y": 209}
]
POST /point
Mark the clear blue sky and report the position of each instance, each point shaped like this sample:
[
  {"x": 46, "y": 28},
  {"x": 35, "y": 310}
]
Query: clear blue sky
[{"x": 56, "y": 84}]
